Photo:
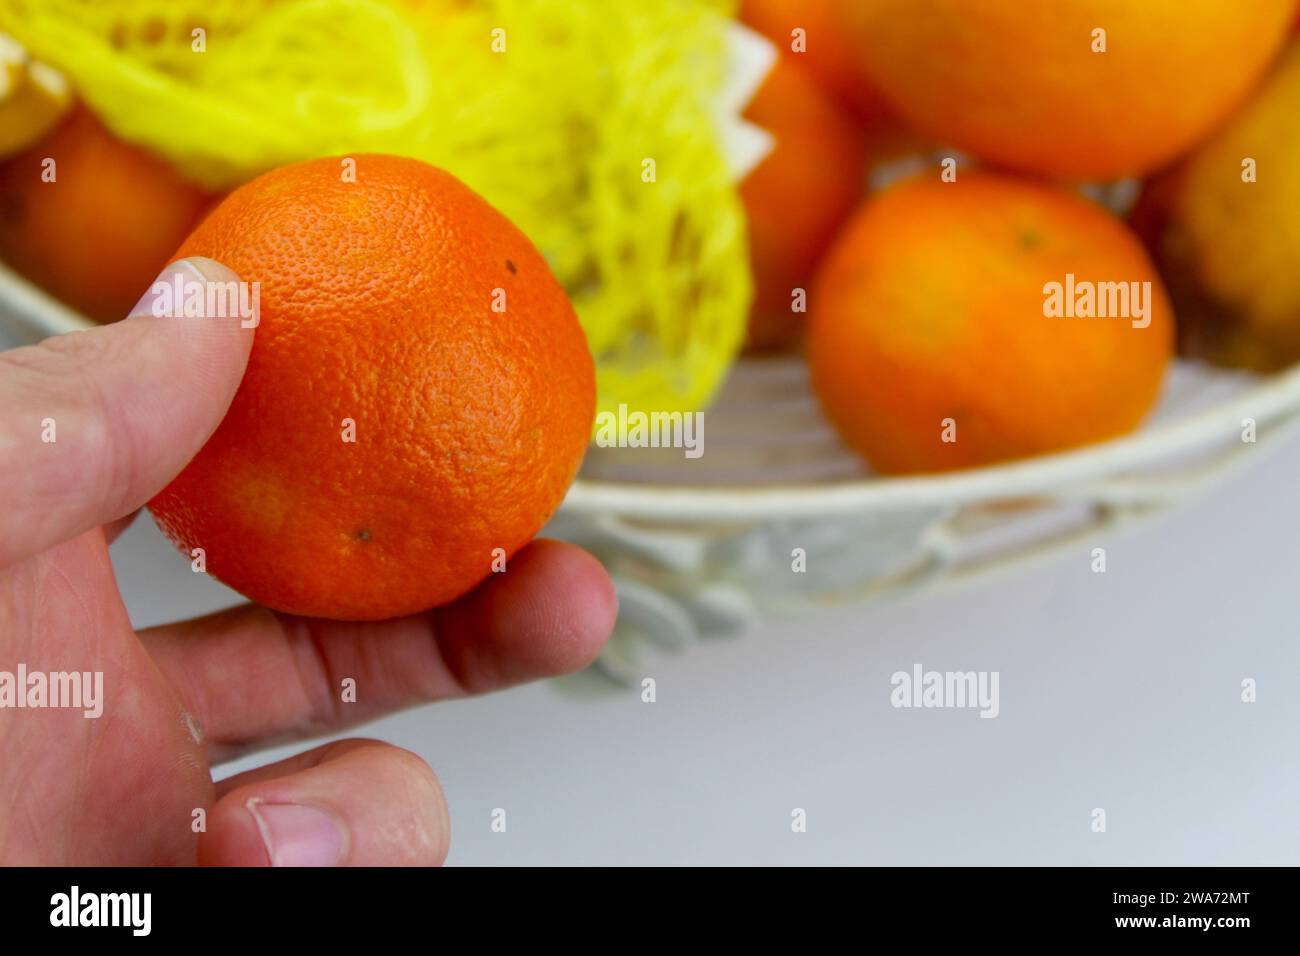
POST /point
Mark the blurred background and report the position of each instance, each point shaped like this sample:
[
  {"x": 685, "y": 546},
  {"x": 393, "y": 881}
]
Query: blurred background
[{"x": 749, "y": 206}]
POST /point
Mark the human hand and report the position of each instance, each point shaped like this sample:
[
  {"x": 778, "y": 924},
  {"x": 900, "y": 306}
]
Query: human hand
[{"x": 127, "y": 406}]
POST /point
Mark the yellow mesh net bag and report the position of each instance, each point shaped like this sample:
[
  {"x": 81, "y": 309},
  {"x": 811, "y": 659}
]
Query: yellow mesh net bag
[{"x": 548, "y": 109}]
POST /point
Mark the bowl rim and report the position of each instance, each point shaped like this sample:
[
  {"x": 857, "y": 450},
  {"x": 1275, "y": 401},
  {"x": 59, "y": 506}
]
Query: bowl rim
[{"x": 1271, "y": 400}]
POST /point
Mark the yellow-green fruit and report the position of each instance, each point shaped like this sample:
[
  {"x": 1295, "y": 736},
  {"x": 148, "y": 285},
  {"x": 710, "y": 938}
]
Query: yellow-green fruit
[{"x": 1224, "y": 227}]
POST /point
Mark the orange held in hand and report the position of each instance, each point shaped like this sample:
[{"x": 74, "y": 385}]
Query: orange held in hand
[
  {"x": 965, "y": 323},
  {"x": 418, "y": 399},
  {"x": 1083, "y": 89}
]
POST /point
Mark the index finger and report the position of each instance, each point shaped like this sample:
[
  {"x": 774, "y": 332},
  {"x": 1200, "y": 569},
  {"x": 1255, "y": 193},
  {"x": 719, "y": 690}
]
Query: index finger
[{"x": 253, "y": 677}]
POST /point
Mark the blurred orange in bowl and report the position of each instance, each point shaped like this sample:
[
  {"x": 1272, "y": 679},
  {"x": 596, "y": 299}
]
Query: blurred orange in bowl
[
  {"x": 93, "y": 219},
  {"x": 1080, "y": 89},
  {"x": 824, "y": 50},
  {"x": 797, "y": 197},
  {"x": 959, "y": 324}
]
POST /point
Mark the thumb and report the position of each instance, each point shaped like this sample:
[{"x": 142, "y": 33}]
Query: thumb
[{"x": 94, "y": 423}]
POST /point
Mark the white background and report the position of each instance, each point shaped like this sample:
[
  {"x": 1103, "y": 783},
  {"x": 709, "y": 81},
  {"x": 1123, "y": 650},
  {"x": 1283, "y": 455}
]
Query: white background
[{"x": 1119, "y": 690}]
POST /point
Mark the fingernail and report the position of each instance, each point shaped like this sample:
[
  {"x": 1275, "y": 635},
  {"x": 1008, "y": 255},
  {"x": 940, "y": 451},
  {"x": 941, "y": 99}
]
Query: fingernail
[
  {"x": 298, "y": 834},
  {"x": 191, "y": 270}
]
